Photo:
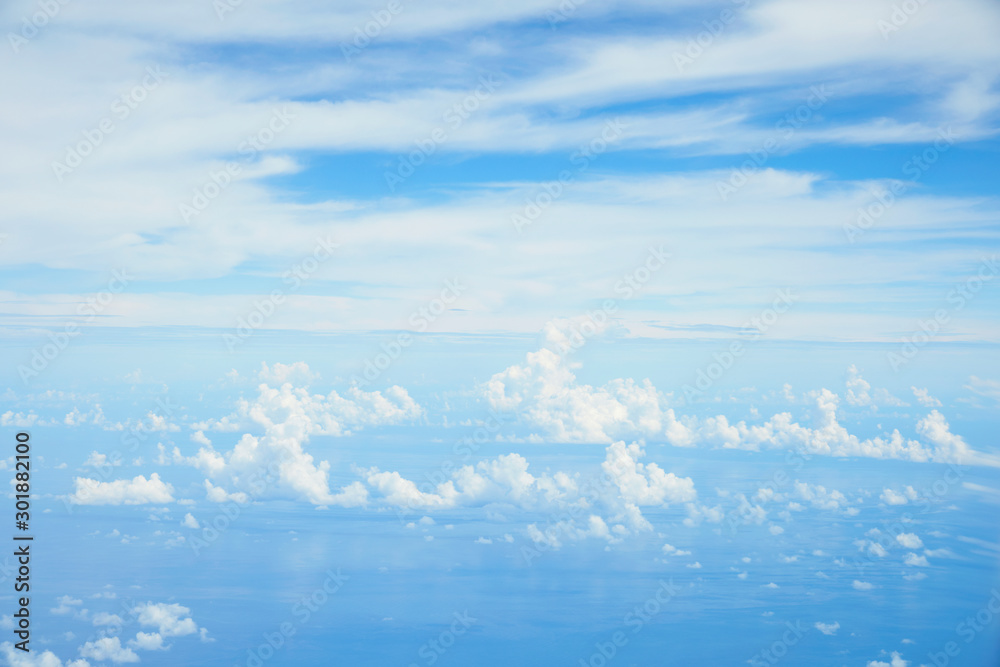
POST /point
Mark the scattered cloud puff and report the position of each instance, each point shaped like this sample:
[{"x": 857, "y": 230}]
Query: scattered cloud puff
[
  {"x": 108, "y": 648},
  {"x": 137, "y": 491},
  {"x": 297, "y": 373},
  {"x": 890, "y": 497},
  {"x": 909, "y": 540},
  {"x": 190, "y": 522},
  {"x": 17, "y": 658},
  {"x": 828, "y": 628},
  {"x": 170, "y": 620},
  {"x": 148, "y": 641},
  {"x": 895, "y": 661},
  {"x": 859, "y": 393},
  {"x": 925, "y": 399},
  {"x": 861, "y": 585},
  {"x": 671, "y": 550}
]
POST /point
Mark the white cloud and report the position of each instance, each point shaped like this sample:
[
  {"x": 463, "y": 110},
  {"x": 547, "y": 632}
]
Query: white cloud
[
  {"x": 104, "y": 618},
  {"x": 137, "y": 491},
  {"x": 68, "y": 605},
  {"x": 20, "y": 420},
  {"x": 861, "y": 585},
  {"x": 671, "y": 550},
  {"x": 644, "y": 484},
  {"x": 895, "y": 661},
  {"x": 859, "y": 392},
  {"x": 909, "y": 540},
  {"x": 914, "y": 560},
  {"x": 190, "y": 522},
  {"x": 545, "y": 393},
  {"x": 17, "y": 658},
  {"x": 108, "y": 648},
  {"x": 924, "y": 398},
  {"x": 828, "y": 628},
  {"x": 96, "y": 460},
  {"x": 988, "y": 389},
  {"x": 890, "y": 497},
  {"x": 148, "y": 641},
  {"x": 170, "y": 620},
  {"x": 276, "y": 463},
  {"x": 819, "y": 497},
  {"x": 297, "y": 373}
]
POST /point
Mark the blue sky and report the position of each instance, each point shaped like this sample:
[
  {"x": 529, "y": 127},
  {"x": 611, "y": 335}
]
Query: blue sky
[{"x": 537, "y": 332}]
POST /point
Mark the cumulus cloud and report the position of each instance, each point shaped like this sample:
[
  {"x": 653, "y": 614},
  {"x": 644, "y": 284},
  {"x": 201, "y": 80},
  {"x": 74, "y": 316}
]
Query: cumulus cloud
[
  {"x": 861, "y": 585},
  {"x": 297, "y": 373},
  {"x": 895, "y": 658},
  {"x": 644, "y": 484},
  {"x": 890, "y": 497},
  {"x": 909, "y": 540},
  {"x": 924, "y": 398},
  {"x": 275, "y": 463},
  {"x": 859, "y": 392},
  {"x": 819, "y": 497},
  {"x": 137, "y": 491},
  {"x": 828, "y": 628},
  {"x": 671, "y": 550},
  {"x": 17, "y": 658},
  {"x": 615, "y": 496},
  {"x": 545, "y": 393},
  {"x": 170, "y": 620},
  {"x": 108, "y": 648},
  {"x": 148, "y": 641},
  {"x": 190, "y": 522},
  {"x": 100, "y": 461},
  {"x": 67, "y": 605},
  {"x": 544, "y": 390},
  {"x": 104, "y": 618}
]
